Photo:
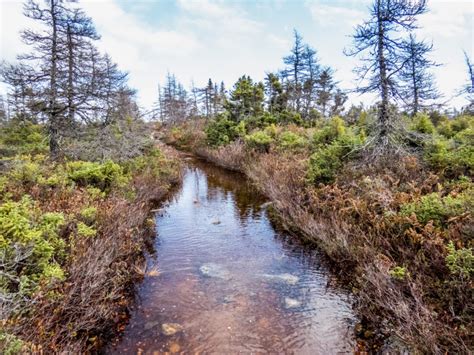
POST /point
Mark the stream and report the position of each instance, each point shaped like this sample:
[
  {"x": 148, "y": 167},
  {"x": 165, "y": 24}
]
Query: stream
[{"x": 224, "y": 279}]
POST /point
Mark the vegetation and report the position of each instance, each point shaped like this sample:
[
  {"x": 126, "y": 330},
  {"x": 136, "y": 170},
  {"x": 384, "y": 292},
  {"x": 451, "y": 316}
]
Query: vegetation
[
  {"x": 385, "y": 191},
  {"x": 78, "y": 177},
  {"x": 400, "y": 224}
]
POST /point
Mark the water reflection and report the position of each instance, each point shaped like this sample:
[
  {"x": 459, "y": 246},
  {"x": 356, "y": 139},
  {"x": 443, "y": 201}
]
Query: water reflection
[{"x": 228, "y": 281}]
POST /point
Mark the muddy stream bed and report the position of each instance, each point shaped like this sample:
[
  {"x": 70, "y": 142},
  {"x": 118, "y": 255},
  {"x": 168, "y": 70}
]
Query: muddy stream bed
[{"x": 223, "y": 279}]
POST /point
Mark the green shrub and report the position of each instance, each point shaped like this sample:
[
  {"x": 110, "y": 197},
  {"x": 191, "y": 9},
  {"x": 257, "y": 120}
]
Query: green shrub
[
  {"x": 455, "y": 158},
  {"x": 83, "y": 230},
  {"x": 101, "y": 175},
  {"x": 434, "y": 207},
  {"x": 25, "y": 170},
  {"x": 30, "y": 246},
  {"x": 332, "y": 130},
  {"x": 421, "y": 123},
  {"x": 288, "y": 140},
  {"x": 328, "y": 159},
  {"x": 259, "y": 140},
  {"x": 460, "y": 262},
  {"x": 10, "y": 344},
  {"x": 398, "y": 272},
  {"x": 220, "y": 131},
  {"x": 20, "y": 137},
  {"x": 89, "y": 215}
]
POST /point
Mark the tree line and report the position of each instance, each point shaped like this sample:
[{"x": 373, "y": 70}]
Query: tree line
[{"x": 65, "y": 82}]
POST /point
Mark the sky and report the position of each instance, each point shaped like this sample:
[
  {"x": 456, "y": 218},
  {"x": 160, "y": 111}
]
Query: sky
[{"x": 223, "y": 40}]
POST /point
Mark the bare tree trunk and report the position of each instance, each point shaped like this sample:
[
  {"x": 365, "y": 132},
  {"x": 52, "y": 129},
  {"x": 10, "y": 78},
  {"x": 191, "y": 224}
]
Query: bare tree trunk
[
  {"x": 53, "y": 109},
  {"x": 70, "y": 88},
  {"x": 383, "y": 113}
]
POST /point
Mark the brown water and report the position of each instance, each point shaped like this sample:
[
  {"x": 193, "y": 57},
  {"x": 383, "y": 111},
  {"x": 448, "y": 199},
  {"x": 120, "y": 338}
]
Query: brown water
[{"x": 232, "y": 281}]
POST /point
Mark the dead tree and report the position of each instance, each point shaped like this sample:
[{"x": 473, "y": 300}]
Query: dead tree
[
  {"x": 379, "y": 38},
  {"x": 418, "y": 85}
]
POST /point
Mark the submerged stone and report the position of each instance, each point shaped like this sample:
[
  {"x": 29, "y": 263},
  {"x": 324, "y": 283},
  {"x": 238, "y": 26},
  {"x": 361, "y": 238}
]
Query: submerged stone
[
  {"x": 150, "y": 325},
  {"x": 214, "y": 270},
  {"x": 171, "y": 328},
  {"x": 291, "y": 302},
  {"x": 287, "y": 278}
]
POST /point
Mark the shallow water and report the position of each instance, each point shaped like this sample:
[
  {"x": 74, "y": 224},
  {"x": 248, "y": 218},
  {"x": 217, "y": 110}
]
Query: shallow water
[{"x": 232, "y": 281}]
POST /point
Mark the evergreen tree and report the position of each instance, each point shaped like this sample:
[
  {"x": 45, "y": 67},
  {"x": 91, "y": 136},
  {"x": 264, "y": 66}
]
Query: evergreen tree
[
  {"x": 293, "y": 74},
  {"x": 246, "y": 99},
  {"x": 276, "y": 99}
]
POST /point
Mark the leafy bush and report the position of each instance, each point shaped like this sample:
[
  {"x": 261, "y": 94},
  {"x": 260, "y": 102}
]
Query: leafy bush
[
  {"x": 259, "y": 140},
  {"x": 434, "y": 207},
  {"x": 101, "y": 175},
  {"x": 30, "y": 246},
  {"x": 328, "y": 159},
  {"x": 332, "y": 130},
  {"x": 22, "y": 137},
  {"x": 460, "y": 262},
  {"x": 25, "y": 170},
  {"x": 221, "y": 131},
  {"x": 421, "y": 123},
  {"x": 398, "y": 272},
  {"x": 83, "y": 230},
  {"x": 290, "y": 141},
  {"x": 89, "y": 214},
  {"x": 454, "y": 158}
]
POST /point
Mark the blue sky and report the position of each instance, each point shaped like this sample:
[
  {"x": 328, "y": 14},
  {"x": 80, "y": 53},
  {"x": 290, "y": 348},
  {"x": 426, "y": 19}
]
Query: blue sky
[{"x": 226, "y": 39}]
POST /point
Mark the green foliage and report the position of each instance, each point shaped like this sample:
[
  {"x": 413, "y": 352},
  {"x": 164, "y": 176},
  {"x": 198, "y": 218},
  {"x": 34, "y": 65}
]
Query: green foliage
[
  {"x": 289, "y": 117},
  {"x": 22, "y": 137},
  {"x": 421, "y": 123},
  {"x": 246, "y": 99},
  {"x": 460, "y": 262},
  {"x": 453, "y": 156},
  {"x": 259, "y": 140},
  {"x": 31, "y": 239},
  {"x": 83, "y": 230},
  {"x": 10, "y": 344},
  {"x": 101, "y": 175},
  {"x": 437, "y": 208},
  {"x": 333, "y": 144},
  {"x": 288, "y": 140},
  {"x": 332, "y": 130},
  {"x": 221, "y": 131},
  {"x": 398, "y": 273},
  {"x": 89, "y": 215},
  {"x": 26, "y": 169}
]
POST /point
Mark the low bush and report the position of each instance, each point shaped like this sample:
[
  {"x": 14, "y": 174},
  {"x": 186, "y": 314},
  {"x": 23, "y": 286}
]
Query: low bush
[
  {"x": 288, "y": 140},
  {"x": 437, "y": 208},
  {"x": 259, "y": 140},
  {"x": 101, "y": 175},
  {"x": 30, "y": 247},
  {"x": 421, "y": 123},
  {"x": 220, "y": 131}
]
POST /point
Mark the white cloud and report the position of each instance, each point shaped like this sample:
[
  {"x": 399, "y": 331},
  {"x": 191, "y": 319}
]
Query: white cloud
[
  {"x": 447, "y": 19},
  {"x": 334, "y": 15}
]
